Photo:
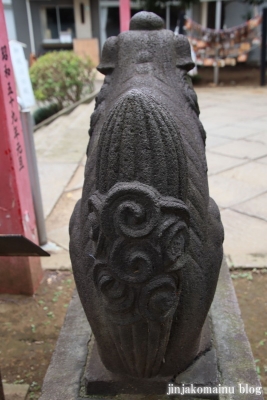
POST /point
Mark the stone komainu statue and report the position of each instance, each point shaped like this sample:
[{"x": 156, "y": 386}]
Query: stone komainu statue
[{"x": 146, "y": 238}]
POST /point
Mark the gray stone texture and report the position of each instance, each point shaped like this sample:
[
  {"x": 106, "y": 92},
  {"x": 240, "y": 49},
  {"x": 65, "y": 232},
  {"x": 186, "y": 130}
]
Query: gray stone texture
[
  {"x": 63, "y": 378},
  {"x": 235, "y": 359},
  {"x": 146, "y": 238}
]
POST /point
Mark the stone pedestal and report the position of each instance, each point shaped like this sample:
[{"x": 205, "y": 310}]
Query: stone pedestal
[
  {"x": 97, "y": 379},
  {"x": 76, "y": 368}
]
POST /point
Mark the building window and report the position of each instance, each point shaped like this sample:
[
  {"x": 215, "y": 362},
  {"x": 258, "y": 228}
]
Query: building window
[{"x": 58, "y": 24}]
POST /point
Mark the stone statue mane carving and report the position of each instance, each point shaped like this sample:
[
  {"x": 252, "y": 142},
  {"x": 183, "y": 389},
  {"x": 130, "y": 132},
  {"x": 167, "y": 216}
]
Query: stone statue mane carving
[{"x": 146, "y": 238}]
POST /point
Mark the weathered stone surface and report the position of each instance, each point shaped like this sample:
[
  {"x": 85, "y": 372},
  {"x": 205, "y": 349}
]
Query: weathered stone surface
[
  {"x": 235, "y": 360},
  {"x": 97, "y": 379},
  {"x": 146, "y": 21},
  {"x": 63, "y": 378},
  {"x": 146, "y": 239}
]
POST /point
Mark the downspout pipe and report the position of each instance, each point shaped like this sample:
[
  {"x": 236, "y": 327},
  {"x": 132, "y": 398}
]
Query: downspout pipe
[{"x": 29, "y": 17}]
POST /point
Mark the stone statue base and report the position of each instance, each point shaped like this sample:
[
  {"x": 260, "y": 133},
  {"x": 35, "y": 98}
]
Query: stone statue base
[
  {"x": 76, "y": 368},
  {"x": 98, "y": 380}
]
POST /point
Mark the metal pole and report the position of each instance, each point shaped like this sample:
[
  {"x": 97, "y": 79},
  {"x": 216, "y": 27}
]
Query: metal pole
[
  {"x": 216, "y": 69},
  {"x": 263, "y": 48},
  {"x": 217, "y": 27},
  {"x": 168, "y": 16},
  {"x": 27, "y": 126},
  {"x": 29, "y": 17},
  {"x": 218, "y": 14}
]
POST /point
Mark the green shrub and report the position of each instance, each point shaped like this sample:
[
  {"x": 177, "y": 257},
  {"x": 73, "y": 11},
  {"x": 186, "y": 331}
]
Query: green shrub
[
  {"x": 62, "y": 78},
  {"x": 45, "y": 112},
  {"x": 196, "y": 79}
]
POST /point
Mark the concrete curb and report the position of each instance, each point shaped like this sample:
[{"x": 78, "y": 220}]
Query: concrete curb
[
  {"x": 66, "y": 110},
  {"x": 235, "y": 359}
]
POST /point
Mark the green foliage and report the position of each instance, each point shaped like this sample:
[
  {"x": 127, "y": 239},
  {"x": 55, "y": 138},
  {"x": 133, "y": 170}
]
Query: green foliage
[
  {"x": 43, "y": 113},
  {"x": 62, "y": 78},
  {"x": 247, "y": 275}
]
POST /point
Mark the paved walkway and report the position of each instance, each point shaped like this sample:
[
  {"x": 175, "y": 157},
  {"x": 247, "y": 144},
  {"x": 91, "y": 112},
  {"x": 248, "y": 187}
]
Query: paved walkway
[{"x": 235, "y": 120}]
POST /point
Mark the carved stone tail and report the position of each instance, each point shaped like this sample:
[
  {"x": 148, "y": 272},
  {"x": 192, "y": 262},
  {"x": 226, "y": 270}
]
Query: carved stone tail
[
  {"x": 139, "y": 224},
  {"x": 140, "y": 142}
]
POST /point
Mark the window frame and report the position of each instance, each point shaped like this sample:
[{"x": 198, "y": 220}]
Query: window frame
[{"x": 44, "y": 22}]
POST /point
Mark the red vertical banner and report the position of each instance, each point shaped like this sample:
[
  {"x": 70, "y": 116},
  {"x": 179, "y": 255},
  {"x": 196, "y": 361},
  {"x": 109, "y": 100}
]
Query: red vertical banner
[
  {"x": 125, "y": 15},
  {"x": 17, "y": 274}
]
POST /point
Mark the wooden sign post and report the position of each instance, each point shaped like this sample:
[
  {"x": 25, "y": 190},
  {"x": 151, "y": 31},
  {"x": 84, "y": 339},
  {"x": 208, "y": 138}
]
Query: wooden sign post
[{"x": 18, "y": 275}]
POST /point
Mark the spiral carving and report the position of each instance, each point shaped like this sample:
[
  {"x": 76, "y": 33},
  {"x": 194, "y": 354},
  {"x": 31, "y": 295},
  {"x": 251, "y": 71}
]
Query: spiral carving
[
  {"x": 141, "y": 237},
  {"x": 119, "y": 298},
  {"x": 174, "y": 239},
  {"x": 134, "y": 261},
  {"x": 130, "y": 210},
  {"x": 95, "y": 206},
  {"x": 159, "y": 298}
]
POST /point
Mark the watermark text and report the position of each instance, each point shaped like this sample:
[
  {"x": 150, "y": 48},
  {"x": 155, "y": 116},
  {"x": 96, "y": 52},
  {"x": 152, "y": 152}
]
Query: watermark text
[{"x": 241, "y": 388}]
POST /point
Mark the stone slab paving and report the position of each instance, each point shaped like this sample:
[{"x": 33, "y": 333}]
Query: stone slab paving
[
  {"x": 256, "y": 207},
  {"x": 53, "y": 179},
  {"x": 235, "y": 120},
  {"x": 60, "y": 147},
  {"x": 15, "y": 391},
  {"x": 245, "y": 239},
  {"x": 220, "y": 163},
  {"x": 263, "y": 160}
]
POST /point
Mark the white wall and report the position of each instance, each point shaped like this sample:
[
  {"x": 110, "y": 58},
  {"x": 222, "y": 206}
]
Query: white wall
[{"x": 83, "y": 30}]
